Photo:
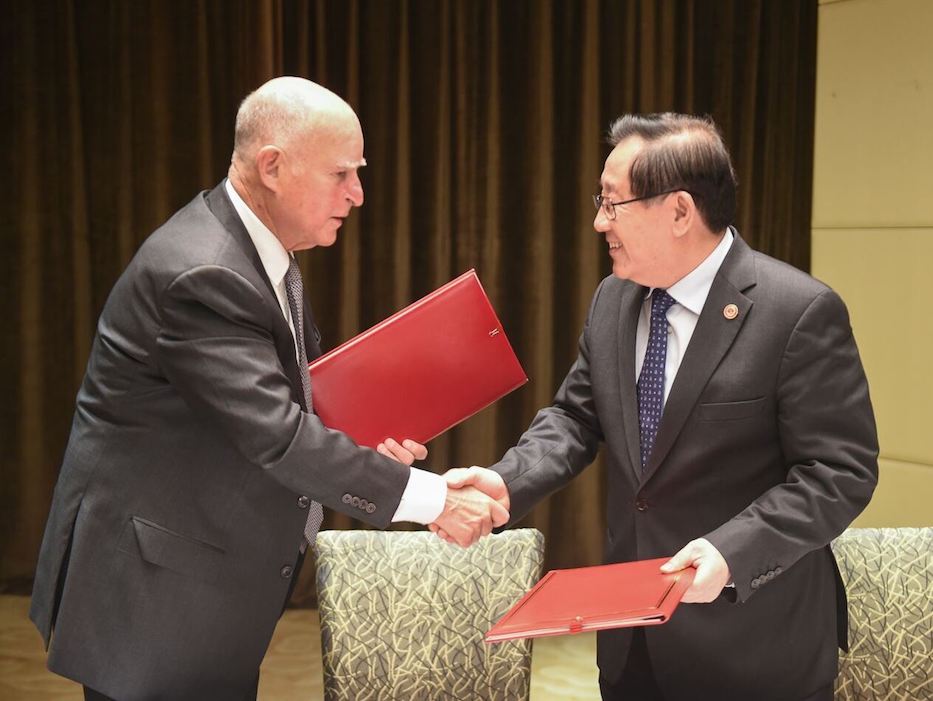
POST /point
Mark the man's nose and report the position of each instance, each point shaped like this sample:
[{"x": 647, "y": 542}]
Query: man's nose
[
  {"x": 601, "y": 221},
  {"x": 355, "y": 190}
]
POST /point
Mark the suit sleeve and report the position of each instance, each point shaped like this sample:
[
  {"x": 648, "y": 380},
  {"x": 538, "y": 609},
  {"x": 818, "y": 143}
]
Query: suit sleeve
[
  {"x": 561, "y": 441},
  {"x": 829, "y": 443},
  {"x": 216, "y": 350}
]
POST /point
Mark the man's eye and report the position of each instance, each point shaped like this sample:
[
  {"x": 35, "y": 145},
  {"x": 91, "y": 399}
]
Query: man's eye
[{"x": 340, "y": 174}]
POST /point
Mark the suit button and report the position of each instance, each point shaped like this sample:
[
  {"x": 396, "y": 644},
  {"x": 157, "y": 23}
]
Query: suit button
[
  {"x": 355, "y": 501},
  {"x": 286, "y": 571},
  {"x": 363, "y": 504},
  {"x": 778, "y": 570},
  {"x": 346, "y": 498},
  {"x": 755, "y": 583},
  {"x": 770, "y": 575},
  {"x": 641, "y": 504},
  {"x": 303, "y": 502},
  {"x": 370, "y": 508}
]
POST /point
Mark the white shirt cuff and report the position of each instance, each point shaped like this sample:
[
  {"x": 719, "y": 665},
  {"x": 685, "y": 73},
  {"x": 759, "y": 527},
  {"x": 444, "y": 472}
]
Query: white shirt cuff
[{"x": 423, "y": 498}]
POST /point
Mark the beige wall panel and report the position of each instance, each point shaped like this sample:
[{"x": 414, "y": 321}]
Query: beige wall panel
[
  {"x": 903, "y": 497},
  {"x": 886, "y": 279},
  {"x": 873, "y": 161}
]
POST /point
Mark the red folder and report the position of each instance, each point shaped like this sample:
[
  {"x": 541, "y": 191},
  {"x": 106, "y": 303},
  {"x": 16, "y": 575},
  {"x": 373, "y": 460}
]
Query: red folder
[
  {"x": 595, "y": 598},
  {"x": 419, "y": 372}
]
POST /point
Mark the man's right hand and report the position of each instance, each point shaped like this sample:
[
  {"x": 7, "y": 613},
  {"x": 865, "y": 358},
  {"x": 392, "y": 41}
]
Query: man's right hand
[
  {"x": 491, "y": 485},
  {"x": 468, "y": 515},
  {"x": 487, "y": 481}
]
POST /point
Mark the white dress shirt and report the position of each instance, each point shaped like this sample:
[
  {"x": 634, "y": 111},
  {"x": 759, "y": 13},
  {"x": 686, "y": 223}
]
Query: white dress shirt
[
  {"x": 689, "y": 293},
  {"x": 425, "y": 494}
]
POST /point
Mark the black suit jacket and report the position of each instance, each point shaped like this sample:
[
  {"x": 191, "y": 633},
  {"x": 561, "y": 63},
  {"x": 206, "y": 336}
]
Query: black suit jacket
[
  {"x": 767, "y": 447},
  {"x": 177, "y": 516}
]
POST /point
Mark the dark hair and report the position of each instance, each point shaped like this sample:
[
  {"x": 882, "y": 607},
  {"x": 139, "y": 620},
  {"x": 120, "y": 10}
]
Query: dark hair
[{"x": 681, "y": 152}]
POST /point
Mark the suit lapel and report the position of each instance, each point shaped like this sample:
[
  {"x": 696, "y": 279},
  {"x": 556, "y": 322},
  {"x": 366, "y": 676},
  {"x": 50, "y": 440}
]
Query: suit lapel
[
  {"x": 712, "y": 338},
  {"x": 223, "y": 210},
  {"x": 632, "y": 298}
]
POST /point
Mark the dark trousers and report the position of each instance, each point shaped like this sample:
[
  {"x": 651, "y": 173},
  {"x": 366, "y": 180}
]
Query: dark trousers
[
  {"x": 91, "y": 695},
  {"x": 638, "y": 681},
  {"x": 248, "y": 694}
]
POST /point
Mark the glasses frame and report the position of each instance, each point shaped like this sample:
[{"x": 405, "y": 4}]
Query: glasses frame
[{"x": 609, "y": 208}]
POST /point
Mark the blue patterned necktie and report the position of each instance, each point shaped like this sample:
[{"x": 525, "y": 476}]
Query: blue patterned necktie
[
  {"x": 650, "y": 386},
  {"x": 295, "y": 292}
]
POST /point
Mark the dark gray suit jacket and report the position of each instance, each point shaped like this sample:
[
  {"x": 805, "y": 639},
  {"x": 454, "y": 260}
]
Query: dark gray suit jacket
[
  {"x": 767, "y": 447},
  {"x": 182, "y": 497}
]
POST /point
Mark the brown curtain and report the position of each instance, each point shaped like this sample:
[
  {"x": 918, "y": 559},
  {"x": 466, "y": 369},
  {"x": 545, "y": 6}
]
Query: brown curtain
[{"x": 484, "y": 126}]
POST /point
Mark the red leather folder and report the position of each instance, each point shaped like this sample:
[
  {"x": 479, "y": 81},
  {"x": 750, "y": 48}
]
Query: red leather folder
[
  {"x": 421, "y": 371},
  {"x": 595, "y": 598}
]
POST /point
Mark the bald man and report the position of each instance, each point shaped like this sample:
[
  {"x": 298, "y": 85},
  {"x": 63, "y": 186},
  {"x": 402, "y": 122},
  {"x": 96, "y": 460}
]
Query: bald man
[{"x": 196, "y": 469}]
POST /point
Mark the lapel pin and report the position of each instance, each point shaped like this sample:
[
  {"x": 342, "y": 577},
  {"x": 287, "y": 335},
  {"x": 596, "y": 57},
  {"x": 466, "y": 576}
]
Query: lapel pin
[{"x": 730, "y": 311}]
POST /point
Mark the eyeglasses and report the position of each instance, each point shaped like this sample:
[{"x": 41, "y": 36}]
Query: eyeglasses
[{"x": 609, "y": 208}]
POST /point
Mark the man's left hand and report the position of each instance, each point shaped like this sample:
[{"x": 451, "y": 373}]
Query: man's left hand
[
  {"x": 712, "y": 571},
  {"x": 405, "y": 452}
]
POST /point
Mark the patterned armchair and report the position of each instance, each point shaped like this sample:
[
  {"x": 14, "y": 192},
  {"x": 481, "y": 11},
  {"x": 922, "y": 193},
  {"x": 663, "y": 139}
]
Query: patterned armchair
[
  {"x": 403, "y": 615},
  {"x": 888, "y": 573}
]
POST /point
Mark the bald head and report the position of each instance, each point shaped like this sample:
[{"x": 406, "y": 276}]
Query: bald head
[
  {"x": 296, "y": 159},
  {"x": 285, "y": 110}
]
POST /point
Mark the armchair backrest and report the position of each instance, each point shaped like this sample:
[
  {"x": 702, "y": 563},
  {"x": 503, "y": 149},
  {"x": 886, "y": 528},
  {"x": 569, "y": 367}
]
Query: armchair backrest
[
  {"x": 888, "y": 573},
  {"x": 403, "y": 614}
]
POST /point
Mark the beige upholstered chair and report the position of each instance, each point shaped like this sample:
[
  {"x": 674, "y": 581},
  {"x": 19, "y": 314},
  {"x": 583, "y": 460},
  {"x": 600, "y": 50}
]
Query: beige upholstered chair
[
  {"x": 403, "y": 615},
  {"x": 888, "y": 573}
]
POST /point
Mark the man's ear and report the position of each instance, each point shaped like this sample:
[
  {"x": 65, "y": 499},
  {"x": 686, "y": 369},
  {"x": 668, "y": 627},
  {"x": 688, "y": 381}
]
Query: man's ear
[
  {"x": 269, "y": 164},
  {"x": 685, "y": 212}
]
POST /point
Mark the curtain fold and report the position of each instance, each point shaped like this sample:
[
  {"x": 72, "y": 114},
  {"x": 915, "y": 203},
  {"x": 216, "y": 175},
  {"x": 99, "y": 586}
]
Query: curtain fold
[{"x": 484, "y": 125}]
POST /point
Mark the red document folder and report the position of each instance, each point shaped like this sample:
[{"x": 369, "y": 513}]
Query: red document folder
[
  {"x": 419, "y": 372},
  {"x": 595, "y": 598}
]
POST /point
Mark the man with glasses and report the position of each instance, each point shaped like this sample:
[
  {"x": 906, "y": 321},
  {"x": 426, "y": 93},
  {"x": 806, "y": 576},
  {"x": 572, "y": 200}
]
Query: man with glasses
[{"x": 738, "y": 431}]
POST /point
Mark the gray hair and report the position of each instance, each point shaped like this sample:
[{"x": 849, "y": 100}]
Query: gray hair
[{"x": 283, "y": 110}]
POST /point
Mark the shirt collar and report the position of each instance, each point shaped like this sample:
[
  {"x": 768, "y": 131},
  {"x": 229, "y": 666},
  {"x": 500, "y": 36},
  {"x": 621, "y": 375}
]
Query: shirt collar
[
  {"x": 275, "y": 259},
  {"x": 693, "y": 288}
]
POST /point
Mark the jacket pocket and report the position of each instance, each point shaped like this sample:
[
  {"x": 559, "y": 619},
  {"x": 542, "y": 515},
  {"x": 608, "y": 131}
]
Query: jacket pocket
[
  {"x": 730, "y": 411},
  {"x": 179, "y": 553}
]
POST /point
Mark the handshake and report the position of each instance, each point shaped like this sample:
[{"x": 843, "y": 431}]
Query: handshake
[
  {"x": 477, "y": 501},
  {"x": 477, "y": 498}
]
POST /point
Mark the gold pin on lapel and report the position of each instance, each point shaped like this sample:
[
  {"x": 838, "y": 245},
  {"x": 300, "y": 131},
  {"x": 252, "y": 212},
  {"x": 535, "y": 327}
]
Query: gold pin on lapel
[{"x": 730, "y": 311}]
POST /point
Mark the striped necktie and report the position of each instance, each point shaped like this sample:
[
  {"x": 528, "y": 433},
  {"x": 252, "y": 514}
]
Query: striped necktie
[{"x": 295, "y": 292}]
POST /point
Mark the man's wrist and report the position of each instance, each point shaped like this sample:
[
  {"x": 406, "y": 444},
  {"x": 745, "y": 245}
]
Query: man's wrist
[{"x": 423, "y": 499}]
